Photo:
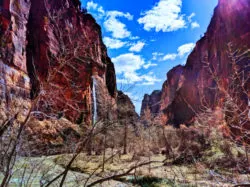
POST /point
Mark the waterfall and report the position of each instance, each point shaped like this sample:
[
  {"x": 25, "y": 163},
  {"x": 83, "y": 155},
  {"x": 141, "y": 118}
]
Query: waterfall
[{"x": 94, "y": 100}]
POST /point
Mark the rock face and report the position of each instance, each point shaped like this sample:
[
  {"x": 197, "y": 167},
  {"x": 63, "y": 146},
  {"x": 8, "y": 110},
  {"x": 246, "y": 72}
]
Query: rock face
[
  {"x": 206, "y": 79},
  {"x": 152, "y": 102},
  {"x": 14, "y": 81},
  {"x": 52, "y": 50},
  {"x": 126, "y": 109},
  {"x": 51, "y": 53}
]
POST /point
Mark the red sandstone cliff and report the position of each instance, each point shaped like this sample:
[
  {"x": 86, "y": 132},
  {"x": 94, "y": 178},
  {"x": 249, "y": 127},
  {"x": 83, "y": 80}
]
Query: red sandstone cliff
[
  {"x": 152, "y": 102},
  {"x": 51, "y": 53},
  {"x": 206, "y": 79},
  {"x": 52, "y": 50},
  {"x": 126, "y": 109}
]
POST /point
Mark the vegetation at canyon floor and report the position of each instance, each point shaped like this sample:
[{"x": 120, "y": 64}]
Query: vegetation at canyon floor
[{"x": 154, "y": 156}]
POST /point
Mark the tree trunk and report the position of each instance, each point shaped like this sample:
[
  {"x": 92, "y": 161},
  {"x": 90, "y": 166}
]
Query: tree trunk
[
  {"x": 104, "y": 152},
  {"x": 125, "y": 139}
]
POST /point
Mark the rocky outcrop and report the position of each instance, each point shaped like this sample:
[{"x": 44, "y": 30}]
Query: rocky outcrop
[
  {"x": 126, "y": 109},
  {"x": 51, "y": 53},
  {"x": 152, "y": 102},
  {"x": 206, "y": 79},
  {"x": 51, "y": 50},
  {"x": 14, "y": 81}
]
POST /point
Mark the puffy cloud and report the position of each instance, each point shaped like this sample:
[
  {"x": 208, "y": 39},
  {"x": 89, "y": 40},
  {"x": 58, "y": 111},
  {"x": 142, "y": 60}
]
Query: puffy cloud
[
  {"x": 137, "y": 47},
  {"x": 170, "y": 57},
  {"x": 164, "y": 16},
  {"x": 182, "y": 51},
  {"x": 111, "y": 20},
  {"x": 128, "y": 63},
  {"x": 195, "y": 25},
  {"x": 127, "y": 66},
  {"x": 94, "y": 7},
  {"x": 185, "y": 49},
  {"x": 115, "y": 26},
  {"x": 113, "y": 43}
]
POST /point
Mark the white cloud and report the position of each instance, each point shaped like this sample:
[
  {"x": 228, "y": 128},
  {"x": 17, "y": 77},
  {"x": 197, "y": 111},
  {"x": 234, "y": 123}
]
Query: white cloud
[
  {"x": 149, "y": 64},
  {"x": 116, "y": 13},
  {"x": 101, "y": 10},
  {"x": 191, "y": 17},
  {"x": 195, "y": 25},
  {"x": 113, "y": 43},
  {"x": 170, "y": 57},
  {"x": 164, "y": 16},
  {"x": 128, "y": 63},
  {"x": 127, "y": 66},
  {"x": 94, "y": 7},
  {"x": 156, "y": 55},
  {"x": 134, "y": 38},
  {"x": 115, "y": 26},
  {"x": 111, "y": 21},
  {"x": 182, "y": 51},
  {"x": 150, "y": 79},
  {"x": 185, "y": 49},
  {"x": 137, "y": 47}
]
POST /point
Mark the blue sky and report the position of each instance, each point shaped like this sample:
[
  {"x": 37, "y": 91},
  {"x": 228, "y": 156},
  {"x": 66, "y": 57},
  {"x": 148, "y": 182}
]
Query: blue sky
[{"x": 147, "y": 38}]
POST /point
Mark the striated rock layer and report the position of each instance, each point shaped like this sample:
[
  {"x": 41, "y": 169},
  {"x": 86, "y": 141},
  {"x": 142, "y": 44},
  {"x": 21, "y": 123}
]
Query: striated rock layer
[
  {"x": 51, "y": 52},
  {"x": 206, "y": 79}
]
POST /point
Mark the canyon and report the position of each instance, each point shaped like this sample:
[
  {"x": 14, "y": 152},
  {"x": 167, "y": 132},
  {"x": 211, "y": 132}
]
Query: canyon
[
  {"x": 207, "y": 78},
  {"x": 64, "y": 121}
]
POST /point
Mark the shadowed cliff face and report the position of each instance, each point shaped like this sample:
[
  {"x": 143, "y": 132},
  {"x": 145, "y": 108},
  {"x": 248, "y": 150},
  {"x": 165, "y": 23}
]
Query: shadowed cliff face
[
  {"x": 51, "y": 50},
  {"x": 193, "y": 86},
  {"x": 152, "y": 102},
  {"x": 126, "y": 109}
]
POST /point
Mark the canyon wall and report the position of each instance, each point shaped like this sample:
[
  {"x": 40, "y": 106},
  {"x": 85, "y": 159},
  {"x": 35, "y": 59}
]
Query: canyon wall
[
  {"x": 152, "y": 102},
  {"x": 208, "y": 77},
  {"x": 52, "y": 50},
  {"x": 126, "y": 109},
  {"x": 51, "y": 54}
]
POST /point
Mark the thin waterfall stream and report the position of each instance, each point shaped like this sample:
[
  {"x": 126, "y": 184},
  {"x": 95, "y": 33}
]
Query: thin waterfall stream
[{"x": 94, "y": 100}]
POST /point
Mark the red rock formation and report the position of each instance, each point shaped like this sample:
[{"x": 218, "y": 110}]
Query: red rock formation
[
  {"x": 14, "y": 82},
  {"x": 52, "y": 52},
  {"x": 153, "y": 102},
  {"x": 188, "y": 87},
  {"x": 56, "y": 48},
  {"x": 126, "y": 109}
]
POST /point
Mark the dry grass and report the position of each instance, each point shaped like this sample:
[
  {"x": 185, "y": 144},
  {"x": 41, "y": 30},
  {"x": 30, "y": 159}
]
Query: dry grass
[
  {"x": 156, "y": 175},
  {"x": 169, "y": 175}
]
